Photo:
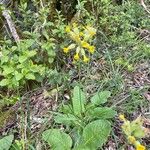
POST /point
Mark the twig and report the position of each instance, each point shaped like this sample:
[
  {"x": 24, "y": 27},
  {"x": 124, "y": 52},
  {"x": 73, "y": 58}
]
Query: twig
[
  {"x": 145, "y": 7},
  {"x": 11, "y": 25}
]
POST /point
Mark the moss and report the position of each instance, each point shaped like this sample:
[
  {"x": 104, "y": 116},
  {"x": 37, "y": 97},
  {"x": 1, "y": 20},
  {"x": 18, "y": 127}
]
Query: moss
[{"x": 6, "y": 118}]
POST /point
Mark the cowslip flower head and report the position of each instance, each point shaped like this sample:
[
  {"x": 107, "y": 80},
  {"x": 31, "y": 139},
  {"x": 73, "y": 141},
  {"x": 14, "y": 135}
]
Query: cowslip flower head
[
  {"x": 140, "y": 147},
  {"x": 132, "y": 139},
  {"x": 82, "y": 37}
]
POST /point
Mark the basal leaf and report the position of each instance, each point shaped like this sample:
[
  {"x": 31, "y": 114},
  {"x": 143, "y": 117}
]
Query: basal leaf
[
  {"x": 58, "y": 140},
  {"x": 100, "y": 97},
  {"x": 102, "y": 113},
  {"x": 78, "y": 101},
  {"x": 6, "y": 142},
  {"x": 66, "y": 119},
  {"x": 95, "y": 134}
]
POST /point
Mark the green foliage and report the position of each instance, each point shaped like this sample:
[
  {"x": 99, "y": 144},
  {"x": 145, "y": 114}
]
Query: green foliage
[
  {"x": 95, "y": 134},
  {"x": 57, "y": 139},
  {"x": 17, "y": 65},
  {"x": 100, "y": 97},
  {"x": 78, "y": 101},
  {"x": 88, "y": 120},
  {"x": 6, "y": 142}
]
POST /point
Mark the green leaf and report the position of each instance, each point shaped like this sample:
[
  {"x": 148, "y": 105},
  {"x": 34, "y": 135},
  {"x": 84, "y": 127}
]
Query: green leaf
[
  {"x": 6, "y": 142},
  {"x": 100, "y": 97},
  {"x": 18, "y": 76},
  {"x": 102, "y": 113},
  {"x": 31, "y": 53},
  {"x": 58, "y": 140},
  {"x": 4, "y": 82},
  {"x": 50, "y": 60},
  {"x": 95, "y": 134},
  {"x": 22, "y": 58},
  {"x": 66, "y": 109},
  {"x": 78, "y": 101},
  {"x": 30, "y": 76},
  {"x": 7, "y": 70},
  {"x": 66, "y": 119}
]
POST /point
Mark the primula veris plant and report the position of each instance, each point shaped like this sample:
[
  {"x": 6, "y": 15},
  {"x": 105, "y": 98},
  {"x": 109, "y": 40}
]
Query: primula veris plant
[
  {"x": 134, "y": 130},
  {"x": 88, "y": 121},
  {"x": 82, "y": 38}
]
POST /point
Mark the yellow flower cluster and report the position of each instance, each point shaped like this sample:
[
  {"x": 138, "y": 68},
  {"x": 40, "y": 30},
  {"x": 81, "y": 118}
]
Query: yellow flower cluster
[
  {"x": 128, "y": 127},
  {"x": 81, "y": 37}
]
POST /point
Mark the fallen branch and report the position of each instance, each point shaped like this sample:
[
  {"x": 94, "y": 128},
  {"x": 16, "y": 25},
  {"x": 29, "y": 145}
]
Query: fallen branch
[
  {"x": 11, "y": 25},
  {"x": 144, "y": 6}
]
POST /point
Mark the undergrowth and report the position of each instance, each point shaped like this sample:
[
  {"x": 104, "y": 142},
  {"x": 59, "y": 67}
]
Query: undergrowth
[{"x": 89, "y": 59}]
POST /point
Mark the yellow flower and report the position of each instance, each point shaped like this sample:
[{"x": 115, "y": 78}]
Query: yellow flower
[
  {"x": 76, "y": 56},
  {"x": 81, "y": 34},
  {"x": 85, "y": 59},
  {"x": 66, "y": 49},
  {"x": 74, "y": 25},
  {"x": 91, "y": 49},
  {"x": 132, "y": 139},
  {"x": 68, "y": 29},
  {"x": 122, "y": 118},
  {"x": 140, "y": 147},
  {"x": 85, "y": 44}
]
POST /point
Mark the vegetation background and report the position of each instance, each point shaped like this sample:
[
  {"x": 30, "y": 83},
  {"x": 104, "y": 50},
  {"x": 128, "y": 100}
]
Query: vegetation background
[{"x": 69, "y": 68}]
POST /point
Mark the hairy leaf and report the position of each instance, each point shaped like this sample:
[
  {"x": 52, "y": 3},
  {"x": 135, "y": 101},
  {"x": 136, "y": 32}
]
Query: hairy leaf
[
  {"x": 57, "y": 139},
  {"x": 6, "y": 142},
  {"x": 95, "y": 134},
  {"x": 102, "y": 113},
  {"x": 78, "y": 101},
  {"x": 100, "y": 97}
]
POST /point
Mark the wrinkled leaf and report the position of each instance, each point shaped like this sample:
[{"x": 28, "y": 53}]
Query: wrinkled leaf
[
  {"x": 95, "y": 134},
  {"x": 100, "y": 97},
  {"x": 58, "y": 140},
  {"x": 102, "y": 113},
  {"x": 66, "y": 119},
  {"x": 78, "y": 101},
  {"x": 6, "y": 142}
]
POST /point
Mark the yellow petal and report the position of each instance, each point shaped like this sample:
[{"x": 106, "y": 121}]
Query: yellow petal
[
  {"x": 91, "y": 49},
  {"x": 66, "y": 49},
  {"x": 122, "y": 118},
  {"x": 76, "y": 56},
  {"x": 140, "y": 147},
  {"x": 68, "y": 29},
  {"x": 132, "y": 139},
  {"x": 85, "y": 59},
  {"x": 85, "y": 44}
]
